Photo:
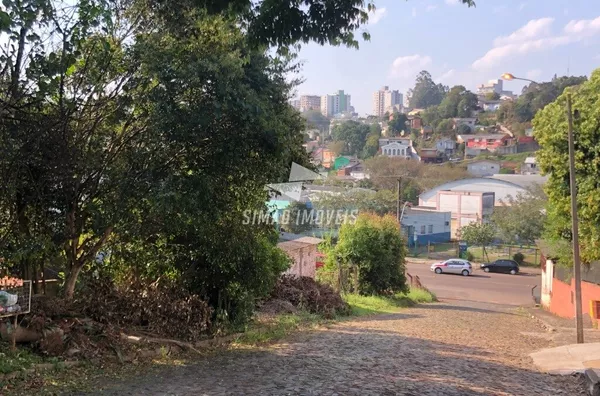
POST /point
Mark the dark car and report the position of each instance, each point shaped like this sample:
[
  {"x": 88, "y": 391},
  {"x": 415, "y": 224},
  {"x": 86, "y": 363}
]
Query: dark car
[{"x": 503, "y": 266}]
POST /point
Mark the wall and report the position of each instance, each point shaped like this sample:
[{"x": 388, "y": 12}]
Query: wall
[
  {"x": 440, "y": 222},
  {"x": 562, "y": 301},
  {"x": 483, "y": 168},
  {"x": 305, "y": 261}
]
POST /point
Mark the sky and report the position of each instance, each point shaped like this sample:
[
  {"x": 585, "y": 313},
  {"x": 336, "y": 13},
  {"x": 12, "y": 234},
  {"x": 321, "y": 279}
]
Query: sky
[{"x": 534, "y": 39}]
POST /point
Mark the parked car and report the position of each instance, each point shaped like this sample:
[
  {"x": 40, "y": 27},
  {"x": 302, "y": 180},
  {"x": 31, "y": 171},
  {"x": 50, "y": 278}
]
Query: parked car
[
  {"x": 453, "y": 266},
  {"x": 503, "y": 266}
]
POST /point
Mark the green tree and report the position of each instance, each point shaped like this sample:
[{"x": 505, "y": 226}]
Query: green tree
[
  {"x": 445, "y": 127},
  {"x": 398, "y": 123},
  {"x": 374, "y": 246},
  {"x": 477, "y": 234},
  {"x": 459, "y": 102},
  {"x": 550, "y": 126},
  {"x": 314, "y": 119},
  {"x": 353, "y": 134},
  {"x": 521, "y": 219},
  {"x": 426, "y": 92},
  {"x": 492, "y": 96}
]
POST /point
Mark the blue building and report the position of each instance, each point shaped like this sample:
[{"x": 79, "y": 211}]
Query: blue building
[{"x": 424, "y": 225}]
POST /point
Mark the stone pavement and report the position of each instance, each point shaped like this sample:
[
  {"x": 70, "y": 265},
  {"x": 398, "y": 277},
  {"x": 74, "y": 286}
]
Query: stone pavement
[{"x": 439, "y": 349}]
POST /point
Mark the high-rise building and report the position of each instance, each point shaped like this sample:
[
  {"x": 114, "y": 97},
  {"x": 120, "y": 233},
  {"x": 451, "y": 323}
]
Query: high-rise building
[
  {"x": 335, "y": 104},
  {"x": 310, "y": 102},
  {"x": 295, "y": 103},
  {"x": 385, "y": 100}
]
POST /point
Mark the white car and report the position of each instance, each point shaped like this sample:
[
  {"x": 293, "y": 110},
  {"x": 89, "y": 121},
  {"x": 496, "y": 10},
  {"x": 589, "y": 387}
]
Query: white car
[{"x": 453, "y": 266}]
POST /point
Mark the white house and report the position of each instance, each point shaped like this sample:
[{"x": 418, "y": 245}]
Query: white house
[
  {"x": 483, "y": 168},
  {"x": 530, "y": 167},
  {"x": 396, "y": 149}
]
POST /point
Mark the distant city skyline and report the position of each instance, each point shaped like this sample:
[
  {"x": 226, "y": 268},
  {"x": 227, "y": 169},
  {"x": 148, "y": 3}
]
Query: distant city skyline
[{"x": 458, "y": 46}]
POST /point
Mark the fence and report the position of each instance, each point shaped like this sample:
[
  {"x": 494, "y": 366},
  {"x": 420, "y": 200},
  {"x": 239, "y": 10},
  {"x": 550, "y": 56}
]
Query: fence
[{"x": 448, "y": 250}]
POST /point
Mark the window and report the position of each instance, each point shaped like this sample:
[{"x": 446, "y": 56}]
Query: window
[
  {"x": 430, "y": 229},
  {"x": 422, "y": 229},
  {"x": 447, "y": 223}
]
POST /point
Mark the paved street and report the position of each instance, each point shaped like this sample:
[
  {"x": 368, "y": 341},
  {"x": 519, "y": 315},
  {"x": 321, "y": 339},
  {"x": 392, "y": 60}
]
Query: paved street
[
  {"x": 481, "y": 286},
  {"x": 442, "y": 349}
]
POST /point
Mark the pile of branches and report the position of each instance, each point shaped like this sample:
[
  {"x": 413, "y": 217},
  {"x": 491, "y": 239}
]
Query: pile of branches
[
  {"x": 93, "y": 323},
  {"x": 307, "y": 294},
  {"x": 164, "y": 309}
]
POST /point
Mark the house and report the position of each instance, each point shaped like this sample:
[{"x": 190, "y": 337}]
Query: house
[
  {"x": 354, "y": 171},
  {"x": 558, "y": 286},
  {"x": 478, "y": 144},
  {"x": 446, "y": 146},
  {"x": 466, "y": 207},
  {"x": 402, "y": 140},
  {"x": 431, "y": 156},
  {"x": 303, "y": 252},
  {"x": 397, "y": 149},
  {"x": 489, "y": 105},
  {"x": 343, "y": 161},
  {"x": 323, "y": 157},
  {"x": 426, "y": 131},
  {"x": 425, "y": 225},
  {"x": 529, "y": 167},
  {"x": 483, "y": 168},
  {"x": 415, "y": 121},
  {"x": 470, "y": 122}
]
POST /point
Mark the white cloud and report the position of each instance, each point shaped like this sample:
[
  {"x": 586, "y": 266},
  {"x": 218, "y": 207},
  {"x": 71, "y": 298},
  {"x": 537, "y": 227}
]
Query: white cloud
[
  {"x": 532, "y": 29},
  {"x": 534, "y": 74},
  {"x": 377, "y": 15},
  {"x": 408, "y": 66},
  {"x": 452, "y": 2},
  {"x": 431, "y": 7},
  {"x": 446, "y": 75},
  {"x": 414, "y": 12},
  {"x": 536, "y": 36},
  {"x": 584, "y": 27}
]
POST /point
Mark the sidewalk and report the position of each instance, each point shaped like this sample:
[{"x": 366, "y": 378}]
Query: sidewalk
[{"x": 568, "y": 359}]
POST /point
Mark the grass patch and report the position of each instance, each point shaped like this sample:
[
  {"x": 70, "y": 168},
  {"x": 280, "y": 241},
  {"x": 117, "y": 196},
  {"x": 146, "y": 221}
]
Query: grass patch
[
  {"x": 372, "y": 305},
  {"x": 18, "y": 360},
  {"x": 277, "y": 327}
]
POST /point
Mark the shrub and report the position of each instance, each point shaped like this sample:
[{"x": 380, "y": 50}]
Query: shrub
[
  {"x": 470, "y": 256},
  {"x": 519, "y": 258},
  {"x": 374, "y": 247}
]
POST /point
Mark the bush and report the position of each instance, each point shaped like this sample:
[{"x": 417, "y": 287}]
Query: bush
[
  {"x": 374, "y": 247},
  {"x": 519, "y": 258},
  {"x": 470, "y": 256}
]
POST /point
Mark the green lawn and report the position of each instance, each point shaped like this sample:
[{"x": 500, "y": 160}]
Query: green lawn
[
  {"x": 494, "y": 253},
  {"x": 371, "y": 305}
]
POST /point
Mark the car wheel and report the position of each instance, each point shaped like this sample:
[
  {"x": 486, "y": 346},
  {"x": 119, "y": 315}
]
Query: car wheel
[
  {"x": 438, "y": 270},
  {"x": 486, "y": 269},
  {"x": 465, "y": 273},
  {"x": 513, "y": 272}
]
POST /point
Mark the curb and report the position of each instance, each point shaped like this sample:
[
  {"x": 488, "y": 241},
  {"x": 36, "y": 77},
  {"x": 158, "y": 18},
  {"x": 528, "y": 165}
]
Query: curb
[
  {"x": 592, "y": 382},
  {"x": 547, "y": 326}
]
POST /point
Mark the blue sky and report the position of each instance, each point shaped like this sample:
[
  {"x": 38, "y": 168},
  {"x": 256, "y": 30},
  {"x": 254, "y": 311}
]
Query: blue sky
[{"x": 458, "y": 45}]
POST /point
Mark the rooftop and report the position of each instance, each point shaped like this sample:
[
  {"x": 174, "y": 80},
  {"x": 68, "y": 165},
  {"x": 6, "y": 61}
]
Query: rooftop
[
  {"x": 522, "y": 180},
  {"x": 494, "y": 136}
]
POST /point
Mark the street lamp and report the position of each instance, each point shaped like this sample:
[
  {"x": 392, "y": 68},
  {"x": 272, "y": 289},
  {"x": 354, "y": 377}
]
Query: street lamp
[
  {"x": 510, "y": 77},
  {"x": 574, "y": 218}
]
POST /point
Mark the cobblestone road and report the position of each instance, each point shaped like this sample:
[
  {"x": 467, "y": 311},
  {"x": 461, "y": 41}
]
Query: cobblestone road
[{"x": 438, "y": 349}]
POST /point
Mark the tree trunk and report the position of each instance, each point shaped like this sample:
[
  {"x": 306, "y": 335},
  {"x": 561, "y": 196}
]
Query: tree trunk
[{"x": 71, "y": 281}]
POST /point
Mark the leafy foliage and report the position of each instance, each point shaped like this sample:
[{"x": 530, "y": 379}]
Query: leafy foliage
[
  {"x": 550, "y": 126},
  {"x": 398, "y": 123},
  {"x": 353, "y": 134},
  {"x": 426, "y": 92},
  {"x": 375, "y": 247},
  {"x": 478, "y": 234},
  {"x": 521, "y": 219}
]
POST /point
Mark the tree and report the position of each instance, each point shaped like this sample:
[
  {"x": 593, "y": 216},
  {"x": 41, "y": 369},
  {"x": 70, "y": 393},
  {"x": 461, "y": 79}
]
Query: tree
[
  {"x": 492, "y": 96},
  {"x": 337, "y": 147},
  {"x": 426, "y": 92},
  {"x": 353, "y": 134},
  {"x": 445, "y": 127},
  {"x": 478, "y": 234},
  {"x": 459, "y": 102},
  {"x": 521, "y": 219},
  {"x": 314, "y": 119},
  {"x": 398, "y": 123},
  {"x": 550, "y": 126},
  {"x": 374, "y": 246}
]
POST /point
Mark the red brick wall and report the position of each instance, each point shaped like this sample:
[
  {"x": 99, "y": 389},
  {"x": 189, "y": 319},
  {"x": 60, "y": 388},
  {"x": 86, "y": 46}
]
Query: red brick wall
[{"x": 563, "y": 305}]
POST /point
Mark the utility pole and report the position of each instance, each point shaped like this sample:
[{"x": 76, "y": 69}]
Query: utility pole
[
  {"x": 575, "y": 226},
  {"x": 398, "y": 202}
]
